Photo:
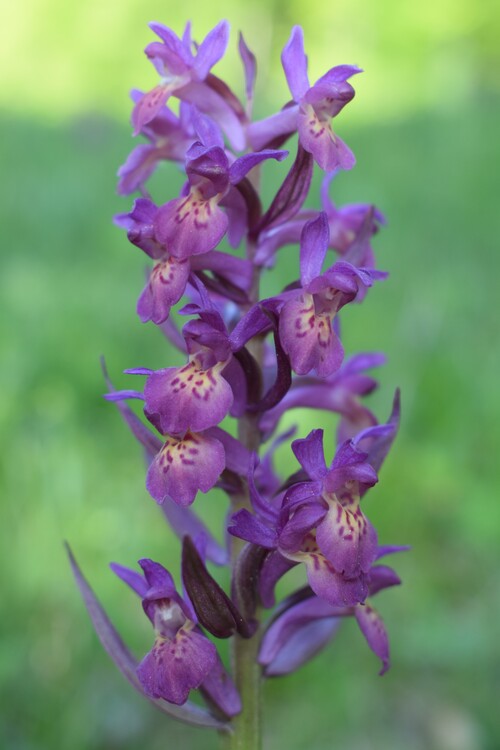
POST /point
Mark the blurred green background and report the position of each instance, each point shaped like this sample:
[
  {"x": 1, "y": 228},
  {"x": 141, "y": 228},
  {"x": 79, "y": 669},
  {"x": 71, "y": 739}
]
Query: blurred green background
[{"x": 424, "y": 126}]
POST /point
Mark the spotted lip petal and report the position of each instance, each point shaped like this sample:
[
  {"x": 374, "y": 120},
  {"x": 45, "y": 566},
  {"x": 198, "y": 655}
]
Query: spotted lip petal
[
  {"x": 175, "y": 667},
  {"x": 294, "y": 61},
  {"x": 165, "y": 287},
  {"x": 347, "y": 539},
  {"x": 187, "y": 398},
  {"x": 185, "y": 465},
  {"x": 191, "y": 225},
  {"x": 309, "y": 338}
]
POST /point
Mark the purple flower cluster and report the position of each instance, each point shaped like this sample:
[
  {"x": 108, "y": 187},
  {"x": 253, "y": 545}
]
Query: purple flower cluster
[{"x": 249, "y": 361}]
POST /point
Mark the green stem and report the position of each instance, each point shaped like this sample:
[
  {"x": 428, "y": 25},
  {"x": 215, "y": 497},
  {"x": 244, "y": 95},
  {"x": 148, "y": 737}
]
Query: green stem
[
  {"x": 247, "y": 729},
  {"x": 247, "y": 734}
]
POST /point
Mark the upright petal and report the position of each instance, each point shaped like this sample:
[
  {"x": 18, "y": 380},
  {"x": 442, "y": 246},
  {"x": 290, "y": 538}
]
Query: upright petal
[
  {"x": 211, "y": 49},
  {"x": 309, "y": 453},
  {"x": 313, "y": 246},
  {"x": 250, "y": 67},
  {"x": 294, "y": 62}
]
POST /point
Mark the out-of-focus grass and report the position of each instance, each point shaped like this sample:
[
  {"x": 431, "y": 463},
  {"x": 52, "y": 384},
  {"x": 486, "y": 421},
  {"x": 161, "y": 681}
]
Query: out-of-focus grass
[{"x": 70, "y": 470}]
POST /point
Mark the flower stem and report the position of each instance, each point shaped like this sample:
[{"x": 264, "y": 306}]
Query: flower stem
[
  {"x": 247, "y": 734},
  {"x": 247, "y": 726}
]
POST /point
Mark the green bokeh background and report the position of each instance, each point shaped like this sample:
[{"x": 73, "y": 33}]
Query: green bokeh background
[{"x": 424, "y": 127}]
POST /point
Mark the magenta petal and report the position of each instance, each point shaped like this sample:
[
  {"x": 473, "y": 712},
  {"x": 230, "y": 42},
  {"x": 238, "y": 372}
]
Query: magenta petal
[
  {"x": 191, "y": 226},
  {"x": 309, "y": 453},
  {"x": 305, "y": 518},
  {"x": 132, "y": 578},
  {"x": 246, "y": 526},
  {"x": 148, "y": 106},
  {"x": 314, "y": 242},
  {"x": 263, "y": 132},
  {"x": 240, "y": 168},
  {"x": 211, "y": 49},
  {"x": 382, "y": 577},
  {"x": 373, "y": 628},
  {"x": 174, "y": 667},
  {"x": 139, "y": 165},
  {"x": 297, "y": 635},
  {"x": 165, "y": 287},
  {"x": 302, "y": 645},
  {"x": 188, "y": 398},
  {"x": 237, "y": 456},
  {"x": 328, "y": 584},
  {"x": 184, "y": 466},
  {"x": 348, "y": 540},
  {"x": 212, "y": 99},
  {"x": 250, "y": 68},
  {"x": 177, "y": 53},
  {"x": 317, "y": 137},
  {"x": 309, "y": 339},
  {"x": 294, "y": 63},
  {"x": 237, "y": 271}
]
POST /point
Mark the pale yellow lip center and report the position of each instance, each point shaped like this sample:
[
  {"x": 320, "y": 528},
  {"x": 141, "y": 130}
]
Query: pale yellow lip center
[{"x": 197, "y": 208}]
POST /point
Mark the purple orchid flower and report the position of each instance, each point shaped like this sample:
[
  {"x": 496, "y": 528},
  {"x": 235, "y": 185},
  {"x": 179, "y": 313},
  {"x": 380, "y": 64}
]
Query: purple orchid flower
[
  {"x": 188, "y": 77},
  {"x": 343, "y": 533},
  {"x": 182, "y": 658},
  {"x": 189, "y": 712},
  {"x": 195, "y": 223},
  {"x": 320, "y": 523},
  {"x": 170, "y": 274},
  {"x": 312, "y": 109},
  {"x": 292, "y": 540},
  {"x": 306, "y": 319}
]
